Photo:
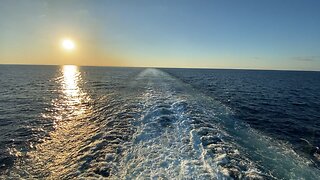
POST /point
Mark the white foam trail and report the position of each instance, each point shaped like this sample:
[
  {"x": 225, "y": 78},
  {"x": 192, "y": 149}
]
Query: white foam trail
[
  {"x": 187, "y": 135},
  {"x": 163, "y": 145}
]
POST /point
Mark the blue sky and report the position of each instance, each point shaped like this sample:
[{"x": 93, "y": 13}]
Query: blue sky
[{"x": 255, "y": 34}]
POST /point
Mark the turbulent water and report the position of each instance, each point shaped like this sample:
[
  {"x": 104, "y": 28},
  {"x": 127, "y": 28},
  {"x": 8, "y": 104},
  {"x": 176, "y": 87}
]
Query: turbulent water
[{"x": 134, "y": 123}]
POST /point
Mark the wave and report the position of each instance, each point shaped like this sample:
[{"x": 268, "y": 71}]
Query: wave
[{"x": 159, "y": 127}]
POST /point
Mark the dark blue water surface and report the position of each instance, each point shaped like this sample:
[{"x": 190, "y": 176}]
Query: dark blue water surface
[
  {"x": 66, "y": 122},
  {"x": 283, "y": 104}
]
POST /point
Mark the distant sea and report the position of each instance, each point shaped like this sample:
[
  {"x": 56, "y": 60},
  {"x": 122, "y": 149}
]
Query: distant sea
[{"x": 64, "y": 122}]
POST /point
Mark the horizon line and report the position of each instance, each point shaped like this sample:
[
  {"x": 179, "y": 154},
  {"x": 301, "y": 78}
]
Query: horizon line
[{"x": 163, "y": 67}]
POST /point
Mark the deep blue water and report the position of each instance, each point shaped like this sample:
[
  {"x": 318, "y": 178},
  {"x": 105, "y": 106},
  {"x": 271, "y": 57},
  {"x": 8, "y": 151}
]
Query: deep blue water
[
  {"x": 282, "y": 104},
  {"x": 136, "y": 123}
]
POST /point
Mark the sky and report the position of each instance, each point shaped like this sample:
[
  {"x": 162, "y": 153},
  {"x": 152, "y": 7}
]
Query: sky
[{"x": 248, "y": 34}]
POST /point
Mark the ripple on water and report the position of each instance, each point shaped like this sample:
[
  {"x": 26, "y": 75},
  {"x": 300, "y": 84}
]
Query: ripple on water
[{"x": 156, "y": 127}]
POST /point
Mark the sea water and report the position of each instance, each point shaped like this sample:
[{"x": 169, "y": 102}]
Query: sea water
[{"x": 140, "y": 123}]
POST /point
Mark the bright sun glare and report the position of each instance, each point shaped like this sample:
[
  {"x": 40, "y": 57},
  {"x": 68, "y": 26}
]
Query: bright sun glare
[{"x": 68, "y": 44}]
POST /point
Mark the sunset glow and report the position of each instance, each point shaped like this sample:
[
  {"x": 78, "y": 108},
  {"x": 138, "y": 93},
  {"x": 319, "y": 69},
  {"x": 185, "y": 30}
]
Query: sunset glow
[{"x": 211, "y": 34}]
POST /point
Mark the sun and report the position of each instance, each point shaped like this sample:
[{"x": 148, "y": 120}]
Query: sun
[{"x": 68, "y": 44}]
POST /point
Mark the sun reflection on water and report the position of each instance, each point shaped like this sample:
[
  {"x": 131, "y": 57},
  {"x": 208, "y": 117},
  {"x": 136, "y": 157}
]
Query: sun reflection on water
[
  {"x": 72, "y": 96},
  {"x": 69, "y": 114},
  {"x": 71, "y": 76}
]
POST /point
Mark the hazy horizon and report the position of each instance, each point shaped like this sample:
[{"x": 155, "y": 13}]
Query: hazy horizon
[
  {"x": 160, "y": 67},
  {"x": 175, "y": 34}
]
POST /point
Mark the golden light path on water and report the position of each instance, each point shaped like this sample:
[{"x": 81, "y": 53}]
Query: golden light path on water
[
  {"x": 73, "y": 94},
  {"x": 71, "y": 77},
  {"x": 58, "y": 153}
]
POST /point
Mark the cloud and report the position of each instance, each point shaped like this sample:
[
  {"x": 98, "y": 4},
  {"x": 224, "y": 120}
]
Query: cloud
[{"x": 307, "y": 58}]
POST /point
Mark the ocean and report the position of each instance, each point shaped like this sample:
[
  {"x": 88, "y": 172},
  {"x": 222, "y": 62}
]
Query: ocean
[{"x": 67, "y": 122}]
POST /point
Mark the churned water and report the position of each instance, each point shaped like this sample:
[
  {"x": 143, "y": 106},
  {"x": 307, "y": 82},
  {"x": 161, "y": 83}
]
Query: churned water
[{"x": 140, "y": 123}]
